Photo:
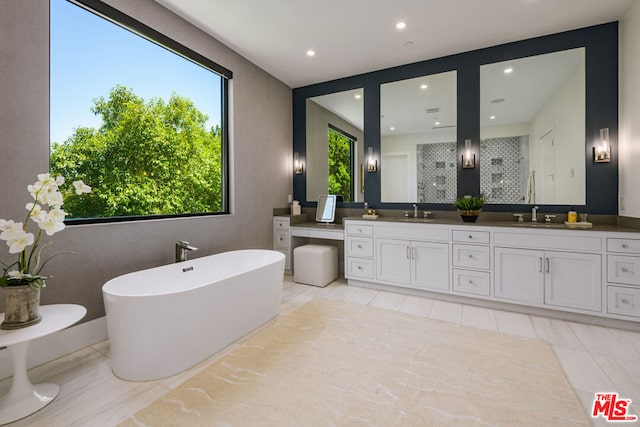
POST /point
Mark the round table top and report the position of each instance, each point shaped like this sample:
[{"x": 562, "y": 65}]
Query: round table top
[{"x": 55, "y": 317}]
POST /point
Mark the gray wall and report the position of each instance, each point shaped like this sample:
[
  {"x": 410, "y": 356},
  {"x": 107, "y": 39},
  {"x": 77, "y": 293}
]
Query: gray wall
[{"x": 261, "y": 123}]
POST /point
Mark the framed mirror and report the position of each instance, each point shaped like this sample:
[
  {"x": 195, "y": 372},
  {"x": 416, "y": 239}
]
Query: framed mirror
[
  {"x": 418, "y": 132},
  {"x": 532, "y": 130},
  {"x": 335, "y": 141}
]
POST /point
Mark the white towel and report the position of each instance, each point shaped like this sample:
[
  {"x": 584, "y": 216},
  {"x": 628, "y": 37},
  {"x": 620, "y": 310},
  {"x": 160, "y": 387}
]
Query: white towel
[{"x": 530, "y": 197}]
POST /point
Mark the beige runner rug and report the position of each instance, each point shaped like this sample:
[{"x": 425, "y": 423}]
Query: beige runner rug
[{"x": 338, "y": 363}]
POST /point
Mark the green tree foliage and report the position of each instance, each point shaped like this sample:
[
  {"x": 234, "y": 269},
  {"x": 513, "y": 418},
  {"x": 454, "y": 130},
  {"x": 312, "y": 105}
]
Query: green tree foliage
[
  {"x": 340, "y": 179},
  {"x": 147, "y": 158}
]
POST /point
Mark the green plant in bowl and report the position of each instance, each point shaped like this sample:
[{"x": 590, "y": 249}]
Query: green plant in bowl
[{"x": 469, "y": 207}]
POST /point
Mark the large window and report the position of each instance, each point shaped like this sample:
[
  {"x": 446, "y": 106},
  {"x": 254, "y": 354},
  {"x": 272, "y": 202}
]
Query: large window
[{"x": 135, "y": 115}]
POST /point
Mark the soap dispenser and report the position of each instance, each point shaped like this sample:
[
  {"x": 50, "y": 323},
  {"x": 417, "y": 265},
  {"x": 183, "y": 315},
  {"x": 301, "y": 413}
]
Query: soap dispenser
[{"x": 572, "y": 216}]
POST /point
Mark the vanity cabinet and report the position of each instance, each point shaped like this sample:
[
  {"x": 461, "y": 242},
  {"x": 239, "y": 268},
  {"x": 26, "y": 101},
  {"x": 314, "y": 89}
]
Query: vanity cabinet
[
  {"x": 471, "y": 260},
  {"x": 562, "y": 279},
  {"x": 282, "y": 239},
  {"x": 359, "y": 250},
  {"x": 623, "y": 277},
  {"x": 588, "y": 272},
  {"x": 422, "y": 265}
]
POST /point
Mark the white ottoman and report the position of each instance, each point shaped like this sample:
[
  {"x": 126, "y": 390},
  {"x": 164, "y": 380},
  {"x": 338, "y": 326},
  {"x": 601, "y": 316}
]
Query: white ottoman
[{"x": 315, "y": 265}]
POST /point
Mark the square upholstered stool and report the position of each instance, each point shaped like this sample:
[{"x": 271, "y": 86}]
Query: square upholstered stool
[{"x": 315, "y": 265}]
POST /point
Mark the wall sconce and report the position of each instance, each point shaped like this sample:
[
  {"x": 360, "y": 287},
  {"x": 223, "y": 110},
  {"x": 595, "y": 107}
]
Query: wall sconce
[
  {"x": 372, "y": 164},
  {"x": 298, "y": 166},
  {"x": 602, "y": 151},
  {"x": 468, "y": 159}
]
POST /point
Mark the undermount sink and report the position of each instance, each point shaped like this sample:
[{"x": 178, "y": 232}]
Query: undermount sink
[
  {"x": 538, "y": 224},
  {"x": 403, "y": 219}
]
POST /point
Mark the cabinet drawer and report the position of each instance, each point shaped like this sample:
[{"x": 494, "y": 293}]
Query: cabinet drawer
[
  {"x": 471, "y": 282},
  {"x": 625, "y": 301},
  {"x": 361, "y": 229},
  {"x": 471, "y": 256},
  {"x": 281, "y": 223},
  {"x": 630, "y": 246},
  {"x": 471, "y": 236},
  {"x": 359, "y": 246},
  {"x": 360, "y": 267},
  {"x": 623, "y": 269},
  {"x": 281, "y": 239}
]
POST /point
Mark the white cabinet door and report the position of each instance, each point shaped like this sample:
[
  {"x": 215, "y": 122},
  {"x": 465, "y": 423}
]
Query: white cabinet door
[
  {"x": 573, "y": 280},
  {"x": 430, "y": 266},
  {"x": 393, "y": 261},
  {"x": 519, "y": 275}
]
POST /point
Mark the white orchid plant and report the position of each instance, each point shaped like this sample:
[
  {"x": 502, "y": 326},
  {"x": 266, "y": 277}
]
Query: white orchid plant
[{"x": 46, "y": 211}]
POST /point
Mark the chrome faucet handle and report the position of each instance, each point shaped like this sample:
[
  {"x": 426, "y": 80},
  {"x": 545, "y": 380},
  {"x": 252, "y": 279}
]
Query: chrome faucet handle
[
  {"x": 406, "y": 214},
  {"x": 426, "y": 214},
  {"x": 547, "y": 218},
  {"x": 519, "y": 216}
]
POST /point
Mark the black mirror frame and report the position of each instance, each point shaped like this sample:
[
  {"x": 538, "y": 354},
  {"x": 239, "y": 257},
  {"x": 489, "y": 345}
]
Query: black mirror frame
[{"x": 601, "y": 57}]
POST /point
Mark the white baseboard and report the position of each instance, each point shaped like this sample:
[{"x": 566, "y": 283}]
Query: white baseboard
[{"x": 54, "y": 346}]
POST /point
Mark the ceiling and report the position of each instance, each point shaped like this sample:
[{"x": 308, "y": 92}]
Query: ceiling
[{"x": 356, "y": 36}]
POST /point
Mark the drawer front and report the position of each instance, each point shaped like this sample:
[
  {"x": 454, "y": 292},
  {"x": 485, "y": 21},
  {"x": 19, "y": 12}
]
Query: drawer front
[
  {"x": 360, "y": 229},
  {"x": 360, "y": 268},
  {"x": 550, "y": 239},
  {"x": 359, "y": 246},
  {"x": 425, "y": 231},
  {"x": 471, "y": 256},
  {"x": 281, "y": 223},
  {"x": 471, "y": 282},
  {"x": 471, "y": 236},
  {"x": 629, "y": 246},
  {"x": 624, "y": 301},
  {"x": 281, "y": 239},
  {"x": 623, "y": 269}
]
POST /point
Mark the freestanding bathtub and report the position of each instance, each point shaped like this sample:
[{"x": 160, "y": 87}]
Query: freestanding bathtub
[{"x": 164, "y": 320}]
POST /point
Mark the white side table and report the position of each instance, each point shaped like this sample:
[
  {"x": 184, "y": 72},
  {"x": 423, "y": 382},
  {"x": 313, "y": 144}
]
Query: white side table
[{"x": 25, "y": 398}]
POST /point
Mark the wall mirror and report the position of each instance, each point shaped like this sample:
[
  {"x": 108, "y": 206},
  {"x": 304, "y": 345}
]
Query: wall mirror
[
  {"x": 334, "y": 145},
  {"x": 418, "y": 133},
  {"x": 532, "y": 130}
]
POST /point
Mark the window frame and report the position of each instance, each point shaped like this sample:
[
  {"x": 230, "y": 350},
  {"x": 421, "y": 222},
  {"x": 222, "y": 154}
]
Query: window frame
[{"x": 128, "y": 23}]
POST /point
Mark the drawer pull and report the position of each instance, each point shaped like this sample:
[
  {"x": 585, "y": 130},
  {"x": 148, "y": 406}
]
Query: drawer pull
[
  {"x": 359, "y": 246},
  {"x": 625, "y": 301},
  {"x": 547, "y": 262},
  {"x": 625, "y": 270},
  {"x": 360, "y": 267},
  {"x": 470, "y": 256},
  {"x": 625, "y": 246},
  {"x": 470, "y": 236},
  {"x": 359, "y": 230},
  {"x": 540, "y": 264},
  {"x": 471, "y": 282}
]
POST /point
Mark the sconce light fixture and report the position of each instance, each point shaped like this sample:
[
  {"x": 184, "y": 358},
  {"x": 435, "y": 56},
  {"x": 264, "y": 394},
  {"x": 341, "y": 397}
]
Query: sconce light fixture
[
  {"x": 602, "y": 151},
  {"x": 468, "y": 159},
  {"x": 372, "y": 164},
  {"x": 298, "y": 166}
]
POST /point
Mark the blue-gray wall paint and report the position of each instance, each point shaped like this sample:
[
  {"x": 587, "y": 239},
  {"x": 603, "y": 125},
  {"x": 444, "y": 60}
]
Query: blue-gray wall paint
[{"x": 601, "y": 43}]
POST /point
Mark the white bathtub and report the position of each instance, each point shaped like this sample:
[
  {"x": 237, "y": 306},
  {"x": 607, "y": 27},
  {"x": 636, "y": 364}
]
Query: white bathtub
[{"x": 164, "y": 320}]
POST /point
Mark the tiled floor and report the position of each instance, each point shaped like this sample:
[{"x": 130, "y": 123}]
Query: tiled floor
[{"x": 595, "y": 359}]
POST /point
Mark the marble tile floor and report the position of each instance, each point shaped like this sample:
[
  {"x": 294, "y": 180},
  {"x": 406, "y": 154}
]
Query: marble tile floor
[{"x": 594, "y": 358}]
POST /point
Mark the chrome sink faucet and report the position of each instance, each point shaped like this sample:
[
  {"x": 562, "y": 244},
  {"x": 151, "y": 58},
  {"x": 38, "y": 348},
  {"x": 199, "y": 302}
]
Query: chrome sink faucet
[
  {"x": 534, "y": 211},
  {"x": 415, "y": 210},
  {"x": 182, "y": 249}
]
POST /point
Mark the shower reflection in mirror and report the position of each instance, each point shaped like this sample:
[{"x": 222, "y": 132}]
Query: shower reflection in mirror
[
  {"x": 532, "y": 129},
  {"x": 418, "y": 124}
]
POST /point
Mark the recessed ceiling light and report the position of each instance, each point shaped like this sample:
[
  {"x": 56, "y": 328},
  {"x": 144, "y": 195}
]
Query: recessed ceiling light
[
  {"x": 437, "y": 123},
  {"x": 508, "y": 70},
  {"x": 392, "y": 128},
  {"x": 401, "y": 25},
  {"x": 357, "y": 96},
  {"x": 423, "y": 86},
  {"x": 311, "y": 52},
  {"x": 492, "y": 117}
]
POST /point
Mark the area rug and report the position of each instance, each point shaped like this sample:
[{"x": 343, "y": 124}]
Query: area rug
[{"x": 331, "y": 363}]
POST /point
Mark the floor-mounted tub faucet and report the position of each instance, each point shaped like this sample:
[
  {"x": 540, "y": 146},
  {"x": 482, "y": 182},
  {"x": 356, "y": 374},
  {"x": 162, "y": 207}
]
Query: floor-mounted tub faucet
[{"x": 182, "y": 248}]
